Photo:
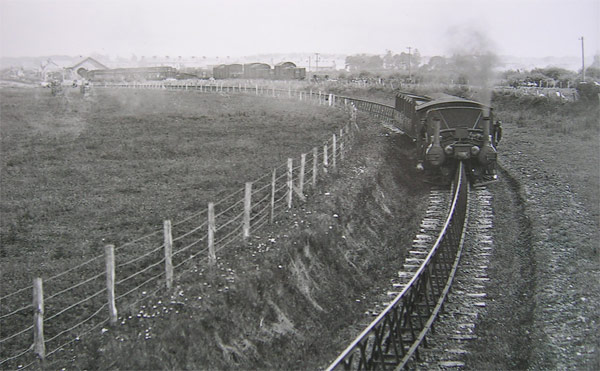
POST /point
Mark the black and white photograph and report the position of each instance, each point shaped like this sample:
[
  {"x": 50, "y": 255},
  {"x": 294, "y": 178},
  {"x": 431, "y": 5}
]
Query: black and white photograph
[{"x": 299, "y": 185}]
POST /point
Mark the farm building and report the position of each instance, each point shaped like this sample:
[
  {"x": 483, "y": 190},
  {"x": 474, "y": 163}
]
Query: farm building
[
  {"x": 81, "y": 69},
  {"x": 49, "y": 71}
]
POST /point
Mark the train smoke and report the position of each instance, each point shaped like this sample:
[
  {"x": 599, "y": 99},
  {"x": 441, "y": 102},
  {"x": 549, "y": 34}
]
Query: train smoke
[{"x": 472, "y": 51}]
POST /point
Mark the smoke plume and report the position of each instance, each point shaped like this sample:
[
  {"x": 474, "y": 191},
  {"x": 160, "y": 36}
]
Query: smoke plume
[{"x": 473, "y": 53}]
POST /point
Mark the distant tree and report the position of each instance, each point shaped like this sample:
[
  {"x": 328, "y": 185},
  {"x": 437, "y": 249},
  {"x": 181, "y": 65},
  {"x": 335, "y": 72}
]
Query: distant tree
[
  {"x": 415, "y": 58},
  {"x": 388, "y": 60},
  {"x": 513, "y": 78},
  {"x": 596, "y": 62},
  {"x": 554, "y": 73},
  {"x": 360, "y": 62},
  {"x": 593, "y": 72},
  {"x": 436, "y": 63}
]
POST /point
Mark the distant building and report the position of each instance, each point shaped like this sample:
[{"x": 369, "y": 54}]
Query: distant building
[
  {"x": 80, "y": 70},
  {"x": 49, "y": 71}
]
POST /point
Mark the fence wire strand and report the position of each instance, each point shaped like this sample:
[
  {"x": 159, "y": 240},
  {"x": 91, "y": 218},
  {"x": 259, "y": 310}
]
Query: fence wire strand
[{"x": 260, "y": 217}]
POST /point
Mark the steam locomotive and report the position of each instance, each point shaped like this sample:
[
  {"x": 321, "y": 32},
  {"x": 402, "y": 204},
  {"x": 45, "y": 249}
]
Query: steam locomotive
[{"x": 448, "y": 130}]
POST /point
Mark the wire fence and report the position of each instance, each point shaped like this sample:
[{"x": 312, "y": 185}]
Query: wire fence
[{"x": 126, "y": 274}]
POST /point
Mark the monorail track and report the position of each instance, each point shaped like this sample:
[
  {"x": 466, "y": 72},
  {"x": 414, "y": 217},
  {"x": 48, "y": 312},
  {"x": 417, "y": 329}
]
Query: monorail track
[
  {"x": 425, "y": 325},
  {"x": 448, "y": 345}
]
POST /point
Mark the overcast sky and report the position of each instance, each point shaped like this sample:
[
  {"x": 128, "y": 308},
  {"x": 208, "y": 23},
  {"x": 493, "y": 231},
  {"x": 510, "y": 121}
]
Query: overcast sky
[{"x": 247, "y": 27}]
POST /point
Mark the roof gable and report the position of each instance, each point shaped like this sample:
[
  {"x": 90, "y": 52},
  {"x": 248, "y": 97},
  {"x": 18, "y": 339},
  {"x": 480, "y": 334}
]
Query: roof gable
[{"x": 89, "y": 60}]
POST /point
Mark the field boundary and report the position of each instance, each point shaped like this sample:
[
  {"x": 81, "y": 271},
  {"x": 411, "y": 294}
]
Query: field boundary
[{"x": 129, "y": 273}]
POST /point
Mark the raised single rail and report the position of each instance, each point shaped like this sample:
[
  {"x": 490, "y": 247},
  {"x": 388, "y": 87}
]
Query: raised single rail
[{"x": 395, "y": 335}]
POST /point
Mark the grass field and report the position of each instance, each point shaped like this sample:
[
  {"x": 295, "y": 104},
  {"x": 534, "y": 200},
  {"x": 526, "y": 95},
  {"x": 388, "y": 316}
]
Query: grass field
[{"x": 78, "y": 173}]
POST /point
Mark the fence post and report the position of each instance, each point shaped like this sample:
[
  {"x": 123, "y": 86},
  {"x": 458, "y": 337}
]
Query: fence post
[
  {"x": 109, "y": 253},
  {"x": 315, "y": 167},
  {"x": 212, "y": 257},
  {"x": 342, "y": 139},
  {"x": 168, "y": 238},
  {"x": 325, "y": 159},
  {"x": 301, "y": 176},
  {"x": 39, "y": 347},
  {"x": 247, "y": 209},
  {"x": 353, "y": 118},
  {"x": 290, "y": 183},
  {"x": 273, "y": 195},
  {"x": 333, "y": 151}
]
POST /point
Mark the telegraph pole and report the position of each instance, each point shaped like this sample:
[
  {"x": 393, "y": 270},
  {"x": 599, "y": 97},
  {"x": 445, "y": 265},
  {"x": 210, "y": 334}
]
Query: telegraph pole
[
  {"x": 582, "y": 61},
  {"x": 409, "y": 71},
  {"x": 317, "y": 62}
]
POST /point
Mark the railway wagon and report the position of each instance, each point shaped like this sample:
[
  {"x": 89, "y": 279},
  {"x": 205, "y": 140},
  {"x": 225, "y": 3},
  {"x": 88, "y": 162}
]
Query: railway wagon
[
  {"x": 448, "y": 130},
  {"x": 132, "y": 74},
  {"x": 228, "y": 71},
  {"x": 288, "y": 71},
  {"x": 257, "y": 71}
]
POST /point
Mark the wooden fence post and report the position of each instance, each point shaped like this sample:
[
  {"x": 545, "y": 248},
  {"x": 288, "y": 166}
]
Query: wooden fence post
[
  {"x": 168, "y": 238},
  {"x": 325, "y": 159},
  {"x": 273, "y": 195},
  {"x": 301, "y": 176},
  {"x": 315, "y": 155},
  {"x": 290, "y": 182},
  {"x": 39, "y": 347},
  {"x": 109, "y": 253},
  {"x": 342, "y": 139},
  {"x": 334, "y": 151},
  {"x": 212, "y": 256},
  {"x": 247, "y": 209}
]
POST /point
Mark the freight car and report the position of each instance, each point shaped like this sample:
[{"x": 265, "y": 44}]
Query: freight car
[
  {"x": 448, "y": 130},
  {"x": 281, "y": 71},
  {"x": 132, "y": 74}
]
